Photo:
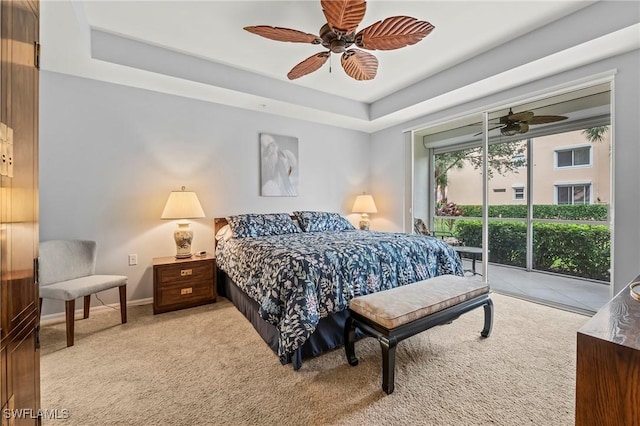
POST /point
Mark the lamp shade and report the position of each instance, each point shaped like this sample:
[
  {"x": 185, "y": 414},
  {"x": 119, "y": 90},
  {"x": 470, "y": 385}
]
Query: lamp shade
[
  {"x": 364, "y": 204},
  {"x": 182, "y": 205}
]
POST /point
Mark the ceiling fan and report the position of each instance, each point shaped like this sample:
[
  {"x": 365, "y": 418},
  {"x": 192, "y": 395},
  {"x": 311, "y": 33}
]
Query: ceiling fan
[
  {"x": 339, "y": 34},
  {"x": 518, "y": 123}
]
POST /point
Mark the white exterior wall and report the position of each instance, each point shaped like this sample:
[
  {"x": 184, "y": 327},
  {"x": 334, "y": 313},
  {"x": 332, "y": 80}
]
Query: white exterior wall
[{"x": 465, "y": 185}]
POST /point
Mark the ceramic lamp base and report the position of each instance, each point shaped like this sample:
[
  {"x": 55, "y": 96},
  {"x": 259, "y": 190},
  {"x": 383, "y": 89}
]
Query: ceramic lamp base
[
  {"x": 183, "y": 236},
  {"x": 364, "y": 222}
]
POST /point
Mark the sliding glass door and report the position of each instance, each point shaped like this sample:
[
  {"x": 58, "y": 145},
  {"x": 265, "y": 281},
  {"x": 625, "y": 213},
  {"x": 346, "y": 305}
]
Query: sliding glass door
[{"x": 544, "y": 185}]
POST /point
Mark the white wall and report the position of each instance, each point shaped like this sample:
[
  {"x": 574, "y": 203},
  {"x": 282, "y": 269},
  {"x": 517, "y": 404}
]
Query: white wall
[{"x": 110, "y": 155}]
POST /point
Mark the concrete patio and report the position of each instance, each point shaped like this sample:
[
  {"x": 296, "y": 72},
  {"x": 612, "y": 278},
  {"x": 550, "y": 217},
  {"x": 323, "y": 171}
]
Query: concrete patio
[{"x": 556, "y": 290}]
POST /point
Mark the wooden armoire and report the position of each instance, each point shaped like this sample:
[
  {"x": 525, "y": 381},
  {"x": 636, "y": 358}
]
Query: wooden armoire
[{"x": 19, "y": 317}]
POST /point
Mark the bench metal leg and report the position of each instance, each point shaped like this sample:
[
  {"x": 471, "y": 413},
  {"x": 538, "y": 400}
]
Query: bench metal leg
[
  {"x": 349, "y": 340},
  {"x": 388, "y": 363},
  {"x": 488, "y": 319}
]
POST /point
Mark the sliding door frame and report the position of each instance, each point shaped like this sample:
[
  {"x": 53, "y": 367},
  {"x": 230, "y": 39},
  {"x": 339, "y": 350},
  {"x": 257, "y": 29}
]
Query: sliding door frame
[{"x": 605, "y": 77}]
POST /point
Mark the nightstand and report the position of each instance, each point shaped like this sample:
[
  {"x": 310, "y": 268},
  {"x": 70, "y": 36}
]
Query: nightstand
[{"x": 183, "y": 283}]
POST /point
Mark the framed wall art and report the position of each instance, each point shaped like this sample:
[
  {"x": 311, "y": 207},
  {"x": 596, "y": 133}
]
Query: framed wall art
[{"x": 279, "y": 165}]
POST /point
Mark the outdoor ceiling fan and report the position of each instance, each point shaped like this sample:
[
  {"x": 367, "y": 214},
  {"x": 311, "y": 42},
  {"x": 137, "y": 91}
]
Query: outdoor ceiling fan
[
  {"x": 518, "y": 123},
  {"x": 339, "y": 34}
]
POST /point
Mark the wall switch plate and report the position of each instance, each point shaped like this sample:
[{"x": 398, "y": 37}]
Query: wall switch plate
[{"x": 133, "y": 259}]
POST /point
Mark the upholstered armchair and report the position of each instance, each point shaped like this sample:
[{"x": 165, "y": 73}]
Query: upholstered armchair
[
  {"x": 420, "y": 228},
  {"x": 67, "y": 272}
]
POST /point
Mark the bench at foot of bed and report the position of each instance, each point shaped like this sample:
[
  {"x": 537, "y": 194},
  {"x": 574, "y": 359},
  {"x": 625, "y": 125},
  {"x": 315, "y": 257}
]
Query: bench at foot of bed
[{"x": 396, "y": 314}]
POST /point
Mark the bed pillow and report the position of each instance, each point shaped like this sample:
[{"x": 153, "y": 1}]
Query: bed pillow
[
  {"x": 224, "y": 233},
  {"x": 260, "y": 225},
  {"x": 311, "y": 221}
]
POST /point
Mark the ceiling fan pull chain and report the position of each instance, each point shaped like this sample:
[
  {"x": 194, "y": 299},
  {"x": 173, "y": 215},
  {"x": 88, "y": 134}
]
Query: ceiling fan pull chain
[{"x": 330, "y": 58}]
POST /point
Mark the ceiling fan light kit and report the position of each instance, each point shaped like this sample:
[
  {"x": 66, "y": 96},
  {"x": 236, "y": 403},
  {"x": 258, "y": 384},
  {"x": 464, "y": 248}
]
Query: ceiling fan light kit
[
  {"x": 339, "y": 34},
  {"x": 510, "y": 129}
]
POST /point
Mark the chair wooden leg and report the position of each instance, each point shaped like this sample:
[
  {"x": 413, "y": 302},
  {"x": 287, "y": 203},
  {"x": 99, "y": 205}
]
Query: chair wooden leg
[
  {"x": 40, "y": 308},
  {"x": 123, "y": 303},
  {"x": 87, "y": 304},
  {"x": 70, "y": 308}
]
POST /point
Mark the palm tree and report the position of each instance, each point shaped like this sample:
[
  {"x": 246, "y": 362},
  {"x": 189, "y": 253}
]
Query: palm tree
[{"x": 595, "y": 134}]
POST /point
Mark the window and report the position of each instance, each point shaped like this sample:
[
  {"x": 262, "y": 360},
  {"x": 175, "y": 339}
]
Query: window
[
  {"x": 518, "y": 193},
  {"x": 574, "y": 157},
  {"x": 573, "y": 194}
]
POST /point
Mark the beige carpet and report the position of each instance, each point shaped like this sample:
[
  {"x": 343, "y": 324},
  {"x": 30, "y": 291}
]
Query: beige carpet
[{"x": 207, "y": 365}]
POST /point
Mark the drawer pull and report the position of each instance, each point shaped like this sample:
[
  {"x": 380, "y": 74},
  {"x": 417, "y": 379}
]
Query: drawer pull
[
  {"x": 184, "y": 291},
  {"x": 185, "y": 272}
]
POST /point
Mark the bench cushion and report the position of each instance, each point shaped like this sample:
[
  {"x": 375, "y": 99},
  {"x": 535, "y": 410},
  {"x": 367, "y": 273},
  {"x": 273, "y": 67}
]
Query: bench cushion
[
  {"x": 84, "y": 286},
  {"x": 401, "y": 305}
]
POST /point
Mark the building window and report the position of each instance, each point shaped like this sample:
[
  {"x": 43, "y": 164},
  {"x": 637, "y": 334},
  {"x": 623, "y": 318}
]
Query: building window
[
  {"x": 518, "y": 193},
  {"x": 573, "y": 194},
  {"x": 574, "y": 157}
]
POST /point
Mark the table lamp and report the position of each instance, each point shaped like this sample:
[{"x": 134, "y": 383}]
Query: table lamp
[
  {"x": 183, "y": 205},
  {"x": 364, "y": 204}
]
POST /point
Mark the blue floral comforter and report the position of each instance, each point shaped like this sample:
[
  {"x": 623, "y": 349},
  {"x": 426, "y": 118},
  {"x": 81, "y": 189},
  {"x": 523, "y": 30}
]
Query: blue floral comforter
[{"x": 300, "y": 278}]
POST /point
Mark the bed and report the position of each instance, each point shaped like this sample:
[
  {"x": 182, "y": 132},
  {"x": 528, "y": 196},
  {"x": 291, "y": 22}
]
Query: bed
[{"x": 293, "y": 279}]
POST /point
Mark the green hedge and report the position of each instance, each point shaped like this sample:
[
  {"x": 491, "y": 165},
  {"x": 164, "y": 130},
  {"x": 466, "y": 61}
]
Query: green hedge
[
  {"x": 542, "y": 211},
  {"x": 577, "y": 250}
]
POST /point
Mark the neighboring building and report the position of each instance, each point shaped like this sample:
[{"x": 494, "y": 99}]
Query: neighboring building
[{"x": 567, "y": 169}]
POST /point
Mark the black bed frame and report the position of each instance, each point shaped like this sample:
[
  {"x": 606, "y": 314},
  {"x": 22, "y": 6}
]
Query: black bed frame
[{"x": 329, "y": 333}]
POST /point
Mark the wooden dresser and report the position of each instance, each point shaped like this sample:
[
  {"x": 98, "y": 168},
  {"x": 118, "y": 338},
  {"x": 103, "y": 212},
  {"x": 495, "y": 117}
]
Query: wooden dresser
[
  {"x": 608, "y": 365},
  {"x": 19, "y": 315},
  {"x": 183, "y": 283}
]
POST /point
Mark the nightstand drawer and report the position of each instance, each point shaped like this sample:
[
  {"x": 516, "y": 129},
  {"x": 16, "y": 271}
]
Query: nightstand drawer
[
  {"x": 184, "y": 294},
  {"x": 186, "y": 272},
  {"x": 183, "y": 283}
]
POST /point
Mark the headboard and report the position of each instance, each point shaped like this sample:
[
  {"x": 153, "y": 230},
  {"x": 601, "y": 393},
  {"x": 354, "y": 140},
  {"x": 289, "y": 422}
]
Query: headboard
[{"x": 218, "y": 223}]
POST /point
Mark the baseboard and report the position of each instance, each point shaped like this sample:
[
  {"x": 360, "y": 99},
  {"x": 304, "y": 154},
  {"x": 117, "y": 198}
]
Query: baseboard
[{"x": 60, "y": 316}]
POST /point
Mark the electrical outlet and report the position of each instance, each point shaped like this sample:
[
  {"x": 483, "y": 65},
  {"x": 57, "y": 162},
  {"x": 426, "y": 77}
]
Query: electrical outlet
[{"x": 133, "y": 259}]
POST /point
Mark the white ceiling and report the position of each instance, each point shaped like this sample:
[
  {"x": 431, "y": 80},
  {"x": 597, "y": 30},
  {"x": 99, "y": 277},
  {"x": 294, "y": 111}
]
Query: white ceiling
[{"x": 212, "y": 30}]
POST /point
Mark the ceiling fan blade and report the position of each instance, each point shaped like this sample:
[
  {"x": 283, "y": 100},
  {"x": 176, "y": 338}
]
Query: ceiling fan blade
[
  {"x": 520, "y": 116},
  {"x": 283, "y": 34},
  {"x": 344, "y": 16},
  {"x": 493, "y": 128},
  {"x": 393, "y": 33},
  {"x": 524, "y": 127},
  {"x": 359, "y": 65},
  {"x": 309, "y": 65},
  {"x": 542, "y": 119}
]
